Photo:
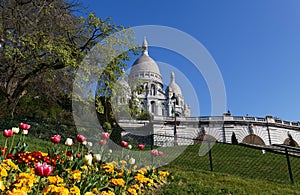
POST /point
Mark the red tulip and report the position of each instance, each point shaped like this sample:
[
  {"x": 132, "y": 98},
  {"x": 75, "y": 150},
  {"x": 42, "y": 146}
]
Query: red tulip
[
  {"x": 141, "y": 146},
  {"x": 7, "y": 133},
  {"x": 55, "y": 139},
  {"x": 102, "y": 142},
  {"x": 80, "y": 138},
  {"x": 24, "y": 126},
  {"x": 124, "y": 144},
  {"x": 154, "y": 152},
  {"x": 105, "y": 135},
  {"x": 43, "y": 170}
]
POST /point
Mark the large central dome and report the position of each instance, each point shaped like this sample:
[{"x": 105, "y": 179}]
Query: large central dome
[{"x": 145, "y": 68}]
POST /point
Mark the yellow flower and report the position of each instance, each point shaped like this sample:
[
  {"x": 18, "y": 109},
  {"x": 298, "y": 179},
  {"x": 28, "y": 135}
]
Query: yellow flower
[
  {"x": 142, "y": 171},
  {"x": 25, "y": 180},
  {"x": 95, "y": 191},
  {"x": 16, "y": 192},
  {"x": 75, "y": 190},
  {"x": 121, "y": 174},
  {"x": 107, "y": 193},
  {"x": 135, "y": 186},
  {"x": 117, "y": 182},
  {"x": 55, "y": 179},
  {"x": 56, "y": 190},
  {"x": 89, "y": 193},
  {"x": 84, "y": 168},
  {"x": 2, "y": 186},
  {"x": 150, "y": 182},
  {"x": 76, "y": 175},
  {"x": 139, "y": 177},
  {"x": 123, "y": 162},
  {"x": 109, "y": 167},
  {"x": 132, "y": 191},
  {"x": 163, "y": 174},
  {"x": 10, "y": 163},
  {"x": 3, "y": 173}
]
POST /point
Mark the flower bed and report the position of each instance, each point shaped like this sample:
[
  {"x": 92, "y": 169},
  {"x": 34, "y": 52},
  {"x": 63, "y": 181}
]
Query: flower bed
[{"x": 74, "y": 169}]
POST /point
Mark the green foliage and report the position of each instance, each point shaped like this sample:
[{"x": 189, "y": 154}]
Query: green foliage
[
  {"x": 45, "y": 43},
  {"x": 144, "y": 115}
]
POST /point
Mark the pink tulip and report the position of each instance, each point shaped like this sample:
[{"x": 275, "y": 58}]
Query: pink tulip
[
  {"x": 105, "y": 135},
  {"x": 160, "y": 153},
  {"x": 124, "y": 144},
  {"x": 102, "y": 142},
  {"x": 141, "y": 146},
  {"x": 154, "y": 152},
  {"x": 43, "y": 170},
  {"x": 7, "y": 133},
  {"x": 24, "y": 126},
  {"x": 80, "y": 138},
  {"x": 78, "y": 155},
  {"x": 55, "y": 139}
]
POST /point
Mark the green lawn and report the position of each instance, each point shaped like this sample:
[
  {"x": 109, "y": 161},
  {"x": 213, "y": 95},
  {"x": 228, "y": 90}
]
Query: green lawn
[{"x": 237, "y": 170}]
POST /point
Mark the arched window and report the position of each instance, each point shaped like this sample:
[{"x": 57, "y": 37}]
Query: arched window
[
  {"x": 153, "y": 90},
  {"x": 153, "y": 107},
  {"x": 163, "y": 109}
]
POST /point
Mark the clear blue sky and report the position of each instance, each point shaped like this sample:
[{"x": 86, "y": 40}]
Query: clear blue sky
[{"x": 256, "y": 45}]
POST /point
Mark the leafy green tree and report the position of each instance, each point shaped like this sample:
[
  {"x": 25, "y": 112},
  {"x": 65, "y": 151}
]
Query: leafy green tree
[{"x": 43, "y": 42}]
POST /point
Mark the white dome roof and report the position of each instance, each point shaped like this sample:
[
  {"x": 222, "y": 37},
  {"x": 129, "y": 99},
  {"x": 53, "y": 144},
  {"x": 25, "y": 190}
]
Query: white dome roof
[
  {"x": 144, "y": 64},
  {"x": 145, "y": 67},
  {"x": 173, "y": 87}
]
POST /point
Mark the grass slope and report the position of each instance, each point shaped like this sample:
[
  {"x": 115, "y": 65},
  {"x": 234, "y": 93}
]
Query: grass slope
[{"x": 237, "y": 170}]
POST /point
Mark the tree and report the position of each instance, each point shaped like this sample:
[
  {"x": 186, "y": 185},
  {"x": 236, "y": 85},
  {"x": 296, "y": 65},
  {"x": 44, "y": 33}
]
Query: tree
[{"x": 43, "y": 42}]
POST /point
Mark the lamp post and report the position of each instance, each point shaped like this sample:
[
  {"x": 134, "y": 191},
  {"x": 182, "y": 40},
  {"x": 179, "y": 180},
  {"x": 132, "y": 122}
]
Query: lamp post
[{"x": 174, "y": 100}]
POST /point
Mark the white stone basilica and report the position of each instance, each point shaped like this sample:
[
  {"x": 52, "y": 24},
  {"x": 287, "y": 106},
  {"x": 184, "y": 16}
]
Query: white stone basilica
[
  {"x": 182, "y": 129},
  {"x": 145, "y": 73}
]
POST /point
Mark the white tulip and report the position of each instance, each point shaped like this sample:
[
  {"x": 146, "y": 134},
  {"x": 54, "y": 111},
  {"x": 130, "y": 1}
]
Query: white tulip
[
  {"x": 25, "y": 132},
  {"x": 131, "y": 161},
  {"x": 129, "y": 147},
  {"x": 97, "y": 157},
  {"x": 89, "y": 144},
  {"x": 15, "y": 130},
  {"x": 88, "y": 158},
  {"x": 69, "y": 142}
]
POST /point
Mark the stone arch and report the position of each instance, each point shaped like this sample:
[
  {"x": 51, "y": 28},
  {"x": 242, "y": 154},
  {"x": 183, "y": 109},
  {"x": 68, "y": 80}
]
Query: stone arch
[
  {"x": 205, "y": 137},
  {"x": 253, "y": 139},
  {"x": 290, "y": 142}
]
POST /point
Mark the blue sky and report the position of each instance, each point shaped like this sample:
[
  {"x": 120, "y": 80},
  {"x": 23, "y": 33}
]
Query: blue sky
[{"x": 256, "y": 45}]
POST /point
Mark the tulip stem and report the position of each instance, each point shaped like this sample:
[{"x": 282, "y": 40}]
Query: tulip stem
[
  {"x": 12, "y": 142},
  {"x": 5, "y": 143},
  {"x": 38, "y": 189}
]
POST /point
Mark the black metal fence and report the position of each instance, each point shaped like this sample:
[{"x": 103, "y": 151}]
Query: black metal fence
[{"x": 276, "y": 163}]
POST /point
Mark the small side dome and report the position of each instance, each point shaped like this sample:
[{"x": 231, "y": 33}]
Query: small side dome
[
  {"x": 173, "y": 87},
  {"x": 124, "y": 85}
]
